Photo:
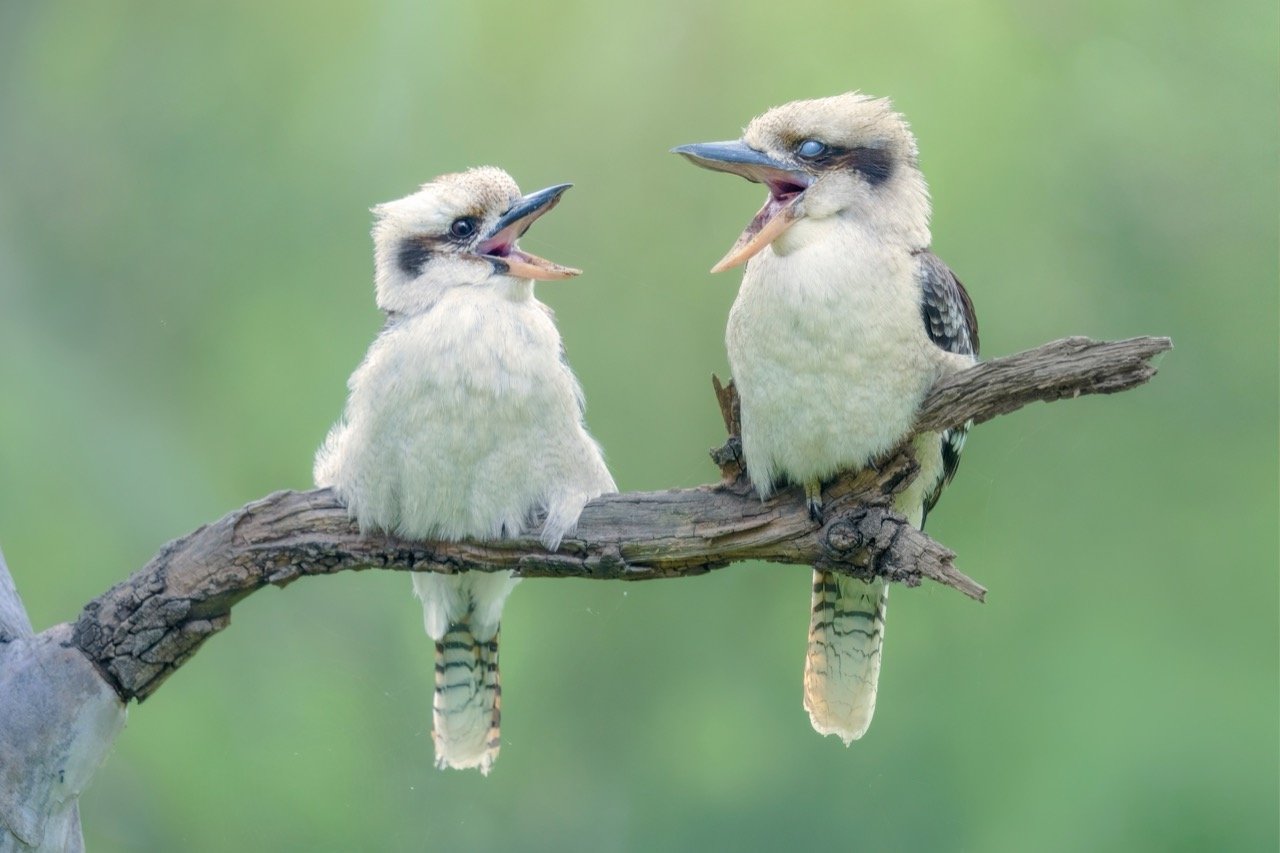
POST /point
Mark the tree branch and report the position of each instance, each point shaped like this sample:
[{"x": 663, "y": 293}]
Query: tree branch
[
  {"x": 1070, "y": 367},
  {"x": 143, "y": 629}
]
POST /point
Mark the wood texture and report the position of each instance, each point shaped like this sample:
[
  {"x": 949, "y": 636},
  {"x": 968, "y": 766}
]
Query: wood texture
[
  {"x": 1070, "y": 367},
  {"x": 142, "y": 630}
]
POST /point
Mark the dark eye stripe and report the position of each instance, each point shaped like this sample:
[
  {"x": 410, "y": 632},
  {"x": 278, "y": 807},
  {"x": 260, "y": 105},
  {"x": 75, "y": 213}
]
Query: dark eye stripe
[
  {"x": 414, "y": 252},
  {"x": 875, "y": 164}
]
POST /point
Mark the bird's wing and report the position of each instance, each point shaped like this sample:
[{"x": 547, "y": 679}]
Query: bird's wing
[
  {"x": 951, "y": 323},
  {"x": 945, "y": 307}
]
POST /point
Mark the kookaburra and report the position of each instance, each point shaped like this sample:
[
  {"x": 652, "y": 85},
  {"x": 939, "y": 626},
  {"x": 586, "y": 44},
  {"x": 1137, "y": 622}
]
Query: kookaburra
[
  {"x": 463, "y": 421},
  {"x": 843, "y": 321}
]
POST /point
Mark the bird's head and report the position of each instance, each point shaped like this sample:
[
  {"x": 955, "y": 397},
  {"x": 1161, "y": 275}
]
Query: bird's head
[
  {"x": 846, "y": 156},
  {"x": 459, "y": 230}
]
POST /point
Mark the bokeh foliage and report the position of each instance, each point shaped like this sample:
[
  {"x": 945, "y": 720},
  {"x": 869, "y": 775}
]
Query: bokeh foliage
[{"x": 185, "y": 285}]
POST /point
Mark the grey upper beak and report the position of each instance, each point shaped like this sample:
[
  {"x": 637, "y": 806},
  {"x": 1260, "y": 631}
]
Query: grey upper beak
[
  {"x": 738, "y": 158},
  {"x": 517, "y": 218}
]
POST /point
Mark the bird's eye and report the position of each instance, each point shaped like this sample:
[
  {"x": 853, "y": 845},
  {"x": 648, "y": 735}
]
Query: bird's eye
[
  {"x": 464, "y": 227},
  {"x": 810, "y": 148}
]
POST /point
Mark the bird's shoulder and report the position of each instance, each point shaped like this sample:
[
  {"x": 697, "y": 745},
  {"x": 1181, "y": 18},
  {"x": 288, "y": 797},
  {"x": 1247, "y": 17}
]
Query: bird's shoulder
[
  {"x": 952, "y": 324},
  {"x": 945, "y": 306}
]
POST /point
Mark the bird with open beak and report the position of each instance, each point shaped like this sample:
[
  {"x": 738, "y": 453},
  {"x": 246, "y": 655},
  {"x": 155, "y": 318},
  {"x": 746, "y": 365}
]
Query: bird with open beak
[
  {"x": 843, "y": 321},
  {"x": 464, "y": 421}
]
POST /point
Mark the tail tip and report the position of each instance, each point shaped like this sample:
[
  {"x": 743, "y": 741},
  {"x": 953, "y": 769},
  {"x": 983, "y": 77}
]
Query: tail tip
[
  {"x": 846, "y": 735},
  {"x": 483, "y": 762},
  {"x": 848, "y": 729}
]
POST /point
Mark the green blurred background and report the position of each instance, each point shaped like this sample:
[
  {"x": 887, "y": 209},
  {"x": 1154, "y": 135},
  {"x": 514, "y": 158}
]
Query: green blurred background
[{"x": 185, "y": 286}]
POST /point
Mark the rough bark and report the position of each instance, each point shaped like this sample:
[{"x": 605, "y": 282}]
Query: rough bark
[
  {"x": 146, "y": 627},
  {"x": 142, "y": 630},
  {"x": 63, "y": 692},
  {"x": 1070, "y": 367}
]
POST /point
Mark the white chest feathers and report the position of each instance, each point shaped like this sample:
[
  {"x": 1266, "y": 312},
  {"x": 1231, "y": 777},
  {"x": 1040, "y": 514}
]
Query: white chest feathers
[
  {"x": 463, "y": 421},
  {"x": 829, "y": 354}
]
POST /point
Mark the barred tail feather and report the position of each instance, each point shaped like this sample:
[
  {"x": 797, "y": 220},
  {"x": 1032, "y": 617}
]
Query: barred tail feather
[
  {"x": 846, "y": 631},
  {"x": 467, "y": 709}
]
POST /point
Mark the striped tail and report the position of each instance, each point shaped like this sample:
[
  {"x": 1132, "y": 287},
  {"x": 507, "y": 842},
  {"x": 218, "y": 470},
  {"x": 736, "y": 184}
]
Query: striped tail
[
  {"x": 842, "y": 666},
  {"x": 467, "y": 709}
]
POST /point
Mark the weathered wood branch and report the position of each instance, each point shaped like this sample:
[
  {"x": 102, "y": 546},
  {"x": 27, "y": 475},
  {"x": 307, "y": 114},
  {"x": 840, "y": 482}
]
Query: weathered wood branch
[
  {"x": 63, "y": 692},
  {"x": 146, "y": 627},
  {"x": 142, "y": 630},
  {"x": 58, "y": 721},
  {"x": 1070, "y": 367}
]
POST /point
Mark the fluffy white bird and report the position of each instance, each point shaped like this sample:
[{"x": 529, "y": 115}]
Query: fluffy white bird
[
  {"x": 843, "y": 321},
  {"x": 464, "y": 421}
]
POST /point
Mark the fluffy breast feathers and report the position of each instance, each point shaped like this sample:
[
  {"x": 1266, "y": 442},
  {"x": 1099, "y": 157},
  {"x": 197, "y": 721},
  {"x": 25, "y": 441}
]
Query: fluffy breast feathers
[{"x": 463, "y": 421}]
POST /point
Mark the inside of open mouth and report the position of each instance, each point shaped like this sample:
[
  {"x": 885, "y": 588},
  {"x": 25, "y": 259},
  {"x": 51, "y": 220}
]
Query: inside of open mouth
[
  {"x": 784, "y": 191},
  {"x": 503, "y": 244}
]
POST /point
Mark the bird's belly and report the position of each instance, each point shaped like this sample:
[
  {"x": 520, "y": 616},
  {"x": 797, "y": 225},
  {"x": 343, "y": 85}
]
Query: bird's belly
[
  {"x": 443, "y": 466},
  {"x": 459, "y": 442},
  {"x": 829, "y": 370},
  {"x": 805, "y": 423},
  {"x": 473, "y": 471}
]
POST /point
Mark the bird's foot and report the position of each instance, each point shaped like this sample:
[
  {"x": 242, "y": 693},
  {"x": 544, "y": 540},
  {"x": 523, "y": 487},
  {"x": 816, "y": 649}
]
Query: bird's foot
[{"x": 813, "y": 497}]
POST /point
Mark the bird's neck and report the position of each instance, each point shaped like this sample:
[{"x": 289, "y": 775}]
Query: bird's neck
[
  {"x": 849, "y": 235},
  {"x": 899, "y": 224},
  {"x": 514, "y": 289},
  {"x": 503, "y": 288}
]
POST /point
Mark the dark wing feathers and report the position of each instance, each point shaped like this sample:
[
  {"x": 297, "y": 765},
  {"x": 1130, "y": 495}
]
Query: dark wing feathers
[
  {"x": 951, "y": 323},
  {"x": 946, "y": 307}
]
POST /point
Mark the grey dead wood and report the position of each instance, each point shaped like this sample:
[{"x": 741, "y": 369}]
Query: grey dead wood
[
  {"x": 63, "y": 692},
  {"x": 58, "y": 720}
]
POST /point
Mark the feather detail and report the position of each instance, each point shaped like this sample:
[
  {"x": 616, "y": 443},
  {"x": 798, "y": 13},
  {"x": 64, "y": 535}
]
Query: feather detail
[
  {"x": 842, "y": 666},
  {"x": 467, "y": 709}
]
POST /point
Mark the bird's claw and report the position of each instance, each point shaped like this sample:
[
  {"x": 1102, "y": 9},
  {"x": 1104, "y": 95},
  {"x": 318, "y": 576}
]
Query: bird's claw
[
  {"x": 813, "y": 497},
  {"x": 815, "y": 510}
]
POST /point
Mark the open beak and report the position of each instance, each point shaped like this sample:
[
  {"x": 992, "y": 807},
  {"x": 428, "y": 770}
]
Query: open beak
[
  {"x": 499, "y": 245},
  {"x": 786, "y": 190}
]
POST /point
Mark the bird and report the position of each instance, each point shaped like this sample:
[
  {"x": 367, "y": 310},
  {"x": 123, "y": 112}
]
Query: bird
[
  {"x": 464, "y": 420},
  {"x": 843, "y": 321}
]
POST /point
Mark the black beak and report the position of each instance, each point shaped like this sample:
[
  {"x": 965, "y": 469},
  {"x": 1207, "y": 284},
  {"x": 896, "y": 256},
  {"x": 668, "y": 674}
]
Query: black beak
[
  {"x": 517, "y": 219},
  {"x": 738, "y": 158}
]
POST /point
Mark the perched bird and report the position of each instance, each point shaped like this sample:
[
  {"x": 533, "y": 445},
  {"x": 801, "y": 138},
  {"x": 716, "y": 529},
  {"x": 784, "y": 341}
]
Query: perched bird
[
  {"x": 464, "y": 421},
  {"x": 843, "y": 321}
]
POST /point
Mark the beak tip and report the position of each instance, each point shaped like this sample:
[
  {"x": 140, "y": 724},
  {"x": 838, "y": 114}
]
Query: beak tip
[
  {"x": 728, "y": 262},
  {"x": 553, "y": 194}
]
